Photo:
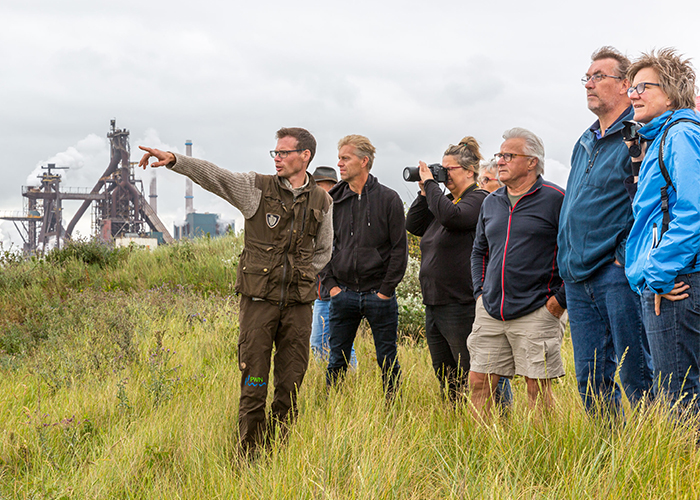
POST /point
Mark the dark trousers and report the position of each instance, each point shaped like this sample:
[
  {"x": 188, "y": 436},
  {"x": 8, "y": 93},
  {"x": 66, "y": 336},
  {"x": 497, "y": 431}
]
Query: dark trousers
[
  {"x": 447, "y": 328},
  {"x": 674, "y": 339},
  {"x": 346, "y": 311},
  {"x": 263, "y": 325},
  {"x": 605, "y": 317}
]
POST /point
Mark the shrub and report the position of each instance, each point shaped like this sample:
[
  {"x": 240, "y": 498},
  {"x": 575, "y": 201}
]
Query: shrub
[
  {"x": 410, "y": 299},
  {"x": 91, "y": 252}
]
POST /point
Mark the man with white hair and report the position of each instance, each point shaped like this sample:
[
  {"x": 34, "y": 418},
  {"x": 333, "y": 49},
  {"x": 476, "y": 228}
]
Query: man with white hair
[{"x": 520, "y": 296}]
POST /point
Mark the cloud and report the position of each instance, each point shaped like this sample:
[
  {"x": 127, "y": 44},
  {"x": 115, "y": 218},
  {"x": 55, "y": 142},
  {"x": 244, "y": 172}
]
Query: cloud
[
  {"x": 556, "y": 172},
  {"x": 83, "y": 163}
]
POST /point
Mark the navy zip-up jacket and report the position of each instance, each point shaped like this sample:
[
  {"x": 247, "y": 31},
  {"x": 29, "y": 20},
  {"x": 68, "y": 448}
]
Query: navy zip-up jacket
[
  {"x": 597, "y": 214},
  {"x": 514, "y": 259}
]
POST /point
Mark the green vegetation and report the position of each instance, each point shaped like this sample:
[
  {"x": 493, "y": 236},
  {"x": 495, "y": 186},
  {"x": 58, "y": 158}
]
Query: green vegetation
[{"x": 119, "y": 379}]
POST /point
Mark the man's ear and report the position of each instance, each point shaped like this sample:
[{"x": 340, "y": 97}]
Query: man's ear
[
  {"x": 365, "y": 161},
  {"x": 625, "y": 85}
]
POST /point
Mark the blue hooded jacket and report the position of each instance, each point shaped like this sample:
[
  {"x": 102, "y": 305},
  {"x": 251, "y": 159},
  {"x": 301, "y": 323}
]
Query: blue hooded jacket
[
  {"x": 652, "y": 262},
  {"x": 597, "y": 214}
]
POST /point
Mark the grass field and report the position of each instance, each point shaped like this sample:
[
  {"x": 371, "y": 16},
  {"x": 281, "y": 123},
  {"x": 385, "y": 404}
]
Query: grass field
[{"x": 119, "y": 379}]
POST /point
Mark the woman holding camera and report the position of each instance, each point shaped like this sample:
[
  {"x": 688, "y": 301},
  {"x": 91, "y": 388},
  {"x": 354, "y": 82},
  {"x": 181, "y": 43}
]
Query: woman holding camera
[
  {"x": 662, "y": 262},
  {"x": 447, "y": 224}
]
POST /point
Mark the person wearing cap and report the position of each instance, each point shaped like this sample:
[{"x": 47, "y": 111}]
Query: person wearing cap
[{"x": 326, "y": 178}]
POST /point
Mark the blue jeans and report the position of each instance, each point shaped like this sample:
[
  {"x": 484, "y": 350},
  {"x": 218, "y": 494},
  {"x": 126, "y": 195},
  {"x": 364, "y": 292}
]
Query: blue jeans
[
  {"x": 446, "y": 330},
  {"x": 346, "y": 311},
  {"x": 605, "y": 317},
  {"x": 320, "y": 333},
  {"x": 674, "y": 338}
]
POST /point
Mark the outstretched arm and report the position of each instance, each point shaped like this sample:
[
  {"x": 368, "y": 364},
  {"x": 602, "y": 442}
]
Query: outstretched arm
[{"x": 238, "y": 188}]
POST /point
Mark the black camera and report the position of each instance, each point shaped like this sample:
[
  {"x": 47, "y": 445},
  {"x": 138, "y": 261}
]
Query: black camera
[
  {"x": 630, "y": 129},
  {"x": 412, "y": 174},
  {"x": 629, "y": 133}
]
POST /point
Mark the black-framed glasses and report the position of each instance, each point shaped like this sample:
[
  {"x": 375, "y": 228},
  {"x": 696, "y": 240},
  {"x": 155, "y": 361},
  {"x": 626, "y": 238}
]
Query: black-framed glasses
[
  {"x": 597, "y": 78},
  {"x": 509, "y": 156},
  {"x": 640, "y": 88},
  {"x": 284, "y": 153}
]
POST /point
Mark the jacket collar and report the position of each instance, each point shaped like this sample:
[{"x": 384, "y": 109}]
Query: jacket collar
[
  {"x": 503, "y": 193},
  {"x": 342, "y": 191},
  {"x": 655, "y": 127},
  {"x": 617, "y": 126},
  {"x": 308, "y": 185}
]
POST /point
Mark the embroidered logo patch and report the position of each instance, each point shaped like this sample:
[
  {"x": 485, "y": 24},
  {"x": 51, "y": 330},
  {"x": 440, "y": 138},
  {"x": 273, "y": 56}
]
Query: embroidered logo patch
[
  {"x": 254, "y": 381},
  {"x": 272, "y": 220}
]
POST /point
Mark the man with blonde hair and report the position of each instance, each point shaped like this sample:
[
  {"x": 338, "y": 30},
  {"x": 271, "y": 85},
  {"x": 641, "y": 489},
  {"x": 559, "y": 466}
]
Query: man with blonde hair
[{"x": 370, "y": 253}]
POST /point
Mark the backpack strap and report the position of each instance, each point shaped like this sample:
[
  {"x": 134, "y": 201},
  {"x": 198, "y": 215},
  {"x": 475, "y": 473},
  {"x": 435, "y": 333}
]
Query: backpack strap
[{"x": 669, "y": 183}]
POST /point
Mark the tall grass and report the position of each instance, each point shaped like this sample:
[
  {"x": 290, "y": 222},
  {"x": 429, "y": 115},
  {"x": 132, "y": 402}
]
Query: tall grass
[{"x": 119, "y": 379}]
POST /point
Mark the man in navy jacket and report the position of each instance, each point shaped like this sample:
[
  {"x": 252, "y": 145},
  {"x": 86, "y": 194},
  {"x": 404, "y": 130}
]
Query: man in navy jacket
[
  {"x": 520, "y": 296},
  {"x": 604, "y": 313}
]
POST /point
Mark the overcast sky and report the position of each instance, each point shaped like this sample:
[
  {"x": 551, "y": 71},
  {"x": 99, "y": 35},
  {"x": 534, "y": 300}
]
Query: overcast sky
[{"x": 412, "y": 76}]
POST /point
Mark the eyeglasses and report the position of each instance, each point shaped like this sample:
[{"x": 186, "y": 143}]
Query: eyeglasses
[
  {"x": 283, "y": 154},
  {"x": 509, "y": 156},
  {"x": 597, "y": 78},
  {"x": 486, "y": 180},
  {"x": 640, "y": 88}
]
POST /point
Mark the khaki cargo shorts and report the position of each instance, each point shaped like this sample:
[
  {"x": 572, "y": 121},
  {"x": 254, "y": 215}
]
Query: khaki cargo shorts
[{"x": 529, "y": 346}]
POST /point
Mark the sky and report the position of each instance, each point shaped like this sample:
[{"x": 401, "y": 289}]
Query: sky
[{"x": 412, "y": 76}]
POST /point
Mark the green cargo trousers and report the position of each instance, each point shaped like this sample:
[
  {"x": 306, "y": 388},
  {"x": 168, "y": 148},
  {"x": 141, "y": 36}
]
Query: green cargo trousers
[{"x": 262, "y": 325}]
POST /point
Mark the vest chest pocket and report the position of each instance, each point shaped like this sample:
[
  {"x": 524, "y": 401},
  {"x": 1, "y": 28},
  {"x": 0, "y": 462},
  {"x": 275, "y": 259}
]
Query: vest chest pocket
[{"x": 314, "y": 222}]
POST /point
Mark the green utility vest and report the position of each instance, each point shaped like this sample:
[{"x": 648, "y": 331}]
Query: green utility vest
[{"x": 280, "y": 241}]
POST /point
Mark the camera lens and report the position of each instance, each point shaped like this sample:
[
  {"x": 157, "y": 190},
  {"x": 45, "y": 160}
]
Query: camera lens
[{"x": 411, "y": 174}]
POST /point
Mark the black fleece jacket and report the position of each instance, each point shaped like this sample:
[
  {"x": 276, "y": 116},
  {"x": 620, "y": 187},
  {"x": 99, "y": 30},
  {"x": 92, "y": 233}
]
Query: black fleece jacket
[
  {"x": 447, "y": 230},
  {"x": 514, "y": 259},
  {"x": 370, "y": 250}
]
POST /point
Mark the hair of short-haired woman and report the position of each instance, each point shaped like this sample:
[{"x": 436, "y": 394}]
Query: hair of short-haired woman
[
  {"x": 676, "y": 75},
  {"x": 363, "y": 147},
  {"x": 489, "y": 167},
  {"x": 467, "y": 154},
  {"x": 533, "y": 145},
  {"x": 608, "y": 52},
  {"x": 304, "y": 139}
]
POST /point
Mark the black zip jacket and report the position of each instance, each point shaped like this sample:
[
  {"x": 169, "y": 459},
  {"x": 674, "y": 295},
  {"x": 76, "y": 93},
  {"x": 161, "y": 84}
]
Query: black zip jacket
[
  {"x": 370, "y": 250},
  {"x": 514, "y": 259},
  {"x": 447, "y": 234}
]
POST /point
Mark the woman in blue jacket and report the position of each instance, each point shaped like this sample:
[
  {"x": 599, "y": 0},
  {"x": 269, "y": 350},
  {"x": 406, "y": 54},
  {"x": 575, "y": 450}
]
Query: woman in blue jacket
[{"x": 662, "y": 249}]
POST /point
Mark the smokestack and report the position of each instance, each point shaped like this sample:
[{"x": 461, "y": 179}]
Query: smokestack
[
  {"x": 189, "y": 199},
  {"x": 153, "y": 196}
]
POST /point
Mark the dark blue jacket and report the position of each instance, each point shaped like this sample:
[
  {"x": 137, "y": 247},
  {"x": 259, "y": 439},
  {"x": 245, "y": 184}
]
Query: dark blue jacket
[
  {"x": 597, "y": 213},
  {"x": 514, "y": 259}
]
